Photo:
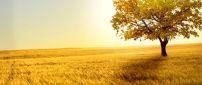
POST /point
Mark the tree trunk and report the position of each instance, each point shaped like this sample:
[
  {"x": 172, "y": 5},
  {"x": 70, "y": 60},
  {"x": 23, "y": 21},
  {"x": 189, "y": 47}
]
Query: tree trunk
[
  {"x": 163, "y": 48},
  {"x": 163, "y": 42}
]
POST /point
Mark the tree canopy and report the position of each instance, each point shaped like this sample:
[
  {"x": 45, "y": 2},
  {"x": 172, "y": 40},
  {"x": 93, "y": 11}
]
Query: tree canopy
[{"x": 157, "y": 19}]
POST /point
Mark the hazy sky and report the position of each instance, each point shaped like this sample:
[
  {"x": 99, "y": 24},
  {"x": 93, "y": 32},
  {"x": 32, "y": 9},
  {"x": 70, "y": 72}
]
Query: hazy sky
[{"x": 30, "y": 24}]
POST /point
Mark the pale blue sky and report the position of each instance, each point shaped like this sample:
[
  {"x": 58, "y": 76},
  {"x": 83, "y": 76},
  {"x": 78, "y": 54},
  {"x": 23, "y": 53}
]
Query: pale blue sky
[{"x": 31, "y": 24}]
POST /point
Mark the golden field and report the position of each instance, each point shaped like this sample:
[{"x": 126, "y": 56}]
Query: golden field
[{"x": 103, "y": 66}]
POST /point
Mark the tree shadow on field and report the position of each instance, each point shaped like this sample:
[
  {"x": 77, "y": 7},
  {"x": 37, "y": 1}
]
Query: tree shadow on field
[{"x": 141, "y": 69}]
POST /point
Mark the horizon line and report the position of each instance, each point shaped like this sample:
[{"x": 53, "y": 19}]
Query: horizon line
[{"x": 83, "y": 47}]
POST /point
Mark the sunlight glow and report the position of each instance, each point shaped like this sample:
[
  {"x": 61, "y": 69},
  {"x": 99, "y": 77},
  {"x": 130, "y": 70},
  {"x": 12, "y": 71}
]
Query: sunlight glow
[{"x": 62, "y": 24}]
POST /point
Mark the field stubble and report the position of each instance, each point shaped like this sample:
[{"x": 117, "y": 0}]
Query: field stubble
[{"x": 122, "y": 66}]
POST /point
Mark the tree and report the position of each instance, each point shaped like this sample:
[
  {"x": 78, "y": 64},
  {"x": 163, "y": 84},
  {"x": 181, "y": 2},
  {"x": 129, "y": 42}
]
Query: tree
[{"x": 157, "y": 19}]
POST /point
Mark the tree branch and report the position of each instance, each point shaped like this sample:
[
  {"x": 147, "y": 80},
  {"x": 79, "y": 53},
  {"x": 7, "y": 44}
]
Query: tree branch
[
  {"x": 155, "y": 18},
  {"x": 165, "y": 40},
  {"x": 160, "y": 39},
  {"x": 147, "y": 26}
]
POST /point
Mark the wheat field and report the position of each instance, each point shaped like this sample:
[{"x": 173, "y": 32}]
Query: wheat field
[{"x": 103, "y": 66}]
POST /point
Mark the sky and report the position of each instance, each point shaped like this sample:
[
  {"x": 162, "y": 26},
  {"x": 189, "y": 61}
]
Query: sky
[{"x": 40, "y": 24}]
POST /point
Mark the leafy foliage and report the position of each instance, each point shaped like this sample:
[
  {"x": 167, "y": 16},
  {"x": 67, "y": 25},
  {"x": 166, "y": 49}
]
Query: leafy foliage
[{"x": 157, "y": 19}]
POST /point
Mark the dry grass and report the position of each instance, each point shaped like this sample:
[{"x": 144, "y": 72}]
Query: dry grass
[{"x": 103, "y": 66}]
